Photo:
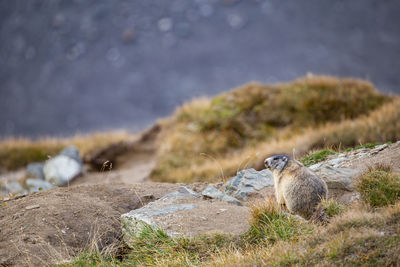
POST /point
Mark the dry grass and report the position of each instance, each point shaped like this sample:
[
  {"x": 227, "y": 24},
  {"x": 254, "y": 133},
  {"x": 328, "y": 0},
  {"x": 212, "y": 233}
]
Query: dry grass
[
  {"x": 241, "y": 126},
  {"x": 18, "y": 152},
  {"x": 380, "y": 125},
  {"x": 379, "y": 186},
  {"x": 355, "y": 238},
  {"x": 358, "y": 236}
]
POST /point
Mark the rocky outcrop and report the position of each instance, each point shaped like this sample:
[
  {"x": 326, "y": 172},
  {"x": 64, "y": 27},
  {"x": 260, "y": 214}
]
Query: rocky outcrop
[
  {"x": 185, "y": 213},
  {"x": 337, "y": 170}
]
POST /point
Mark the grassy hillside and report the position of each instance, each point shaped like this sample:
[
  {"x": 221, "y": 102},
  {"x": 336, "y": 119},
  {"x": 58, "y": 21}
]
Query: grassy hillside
[{"x": 209, "y": 139}]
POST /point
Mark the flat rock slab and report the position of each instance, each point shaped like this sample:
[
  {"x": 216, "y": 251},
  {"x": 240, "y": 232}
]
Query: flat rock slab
[{"x": 185, "y": 213}]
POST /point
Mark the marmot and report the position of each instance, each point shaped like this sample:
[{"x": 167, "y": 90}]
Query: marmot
[{"x": 296, "y": 186}]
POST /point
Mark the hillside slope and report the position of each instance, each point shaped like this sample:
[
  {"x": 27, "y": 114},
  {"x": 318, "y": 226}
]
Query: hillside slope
[{"x": 209, "y": 139}]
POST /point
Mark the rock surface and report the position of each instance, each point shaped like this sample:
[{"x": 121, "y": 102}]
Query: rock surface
[
  {"x": 36, "y": 185},
  {"x": 339, "y": 170},
  {"x": 13, "y": 188},
  {"x": 183, "y": 213},
  {"x": 248, "y": 181},
  {"x": 212, "y": 192},
  {"x": 338, "y": 178},
  {"x": 35, "y": 170},
  {"x": 64, "y": 167}
]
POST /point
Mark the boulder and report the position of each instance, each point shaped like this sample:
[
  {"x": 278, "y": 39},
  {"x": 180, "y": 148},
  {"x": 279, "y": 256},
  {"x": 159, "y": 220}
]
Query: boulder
[
  {"x": 61, "y": 169},
  {"x": 72, "y": 152},
  {"x": 35, "y": 170},
  {"x": 185, "y": 213},
  {"x": 35, "y": 185},
  {"x": 212, "y": 192},
  {"x": 338, "y": 178},
  {"x": 12, "y": 187},
  {"x": 249, "y": 181}
]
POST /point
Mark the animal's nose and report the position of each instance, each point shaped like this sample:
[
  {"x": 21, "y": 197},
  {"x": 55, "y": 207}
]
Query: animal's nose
[{"x": 266, "y": 162}]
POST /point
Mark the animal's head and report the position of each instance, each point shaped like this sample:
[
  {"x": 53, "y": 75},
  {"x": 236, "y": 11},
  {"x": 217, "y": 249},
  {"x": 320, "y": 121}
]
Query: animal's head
[{"x": 277, "y": 162}]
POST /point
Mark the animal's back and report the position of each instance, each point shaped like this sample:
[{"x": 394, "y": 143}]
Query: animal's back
[{"x": 304, "y": 192}]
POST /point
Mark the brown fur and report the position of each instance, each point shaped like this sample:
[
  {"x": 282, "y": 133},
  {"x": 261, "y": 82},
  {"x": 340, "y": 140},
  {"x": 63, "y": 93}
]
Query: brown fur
[{"x": 299, "y": 189}]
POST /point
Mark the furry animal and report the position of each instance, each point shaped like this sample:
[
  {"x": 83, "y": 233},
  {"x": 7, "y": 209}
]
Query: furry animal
[{"x": 296, "y": 186}]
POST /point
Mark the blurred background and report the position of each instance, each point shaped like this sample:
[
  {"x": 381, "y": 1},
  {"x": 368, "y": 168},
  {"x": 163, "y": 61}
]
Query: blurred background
[{"x": 86, "y": 65}]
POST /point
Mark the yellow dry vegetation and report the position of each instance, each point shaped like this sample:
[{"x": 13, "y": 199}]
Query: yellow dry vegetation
[
  {"x": 211, "y": 139},
  {"x": 18, "y": 152}
]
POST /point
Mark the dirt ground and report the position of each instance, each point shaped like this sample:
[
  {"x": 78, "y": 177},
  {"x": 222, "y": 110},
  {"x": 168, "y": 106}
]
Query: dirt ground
[{"x": 52, "y": 226}]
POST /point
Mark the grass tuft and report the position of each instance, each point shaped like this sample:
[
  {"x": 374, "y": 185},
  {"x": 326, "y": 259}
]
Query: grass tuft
[
  {"x": 269, "y": 224},
  {"x": 379, "y": 186},
  {"x": 317, "y": 156}
]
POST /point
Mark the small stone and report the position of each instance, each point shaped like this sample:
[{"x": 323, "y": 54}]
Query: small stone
[
  {"x": 149, "y": 196},
  {"x": 316, "y": 166},
  {"x": 213, "y": 192},
  {"x": 35, "y": 170},
  {"x": 72, "y": 152},
  {"x": 36, "y": 185},
  {"x": 335, "y": 162},
  {"x": 13, "y": 188},
  {"x": 31, "y": 207}
]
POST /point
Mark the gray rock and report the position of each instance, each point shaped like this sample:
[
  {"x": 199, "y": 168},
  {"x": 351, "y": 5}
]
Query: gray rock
[
  {"x": 379, "y": 148},
  {"x": 213, "y": 192},
  {"x": 248, "y": 181},
  {"x": 335, "y": 162},
  {"x": 36, "y": 185},
  {"x": 13, "y": 188},
  {"x": 72, "y": 152},
  {"x": 61, "y": 169},
  {"x": 315, "y": 167},
  {"x": 183, "y": 213},
  {"x": 338, "y": 178},
  {"x": 35, "y": 170},
  {"x": 183, "y": 191}
]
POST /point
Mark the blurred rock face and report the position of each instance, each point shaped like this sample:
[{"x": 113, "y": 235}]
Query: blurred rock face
[{"x": 71, "y": 66}]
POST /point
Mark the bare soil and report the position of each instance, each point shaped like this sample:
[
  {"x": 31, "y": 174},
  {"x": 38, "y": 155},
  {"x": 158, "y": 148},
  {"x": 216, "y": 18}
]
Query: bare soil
[{"x": 52, "y": 226}]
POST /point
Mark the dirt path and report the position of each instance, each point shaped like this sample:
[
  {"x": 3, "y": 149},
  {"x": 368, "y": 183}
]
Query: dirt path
[
  {"x": 136, "y": 169},
  {"x": 132, "y": 162}
]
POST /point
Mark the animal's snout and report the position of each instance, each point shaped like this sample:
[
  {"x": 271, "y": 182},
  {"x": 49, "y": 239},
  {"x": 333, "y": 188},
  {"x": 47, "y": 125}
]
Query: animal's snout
[{"x": 267, "y": 162}]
